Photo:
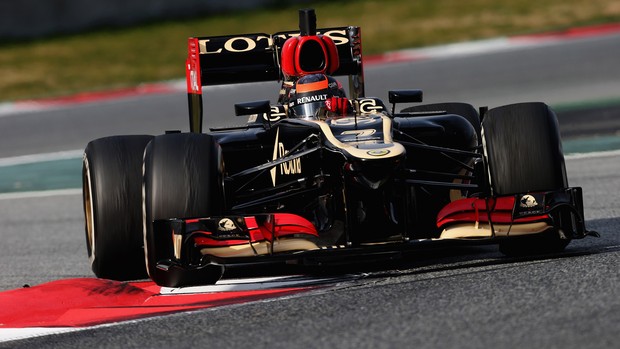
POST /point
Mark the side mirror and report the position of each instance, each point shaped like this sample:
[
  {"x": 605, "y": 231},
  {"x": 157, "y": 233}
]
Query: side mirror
[
  {"x": 248, "y": 108},
  {"x": 404, "y": 96}
]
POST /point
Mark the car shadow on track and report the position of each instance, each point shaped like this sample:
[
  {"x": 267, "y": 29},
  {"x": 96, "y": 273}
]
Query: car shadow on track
[{"x": 443, "y": 258}]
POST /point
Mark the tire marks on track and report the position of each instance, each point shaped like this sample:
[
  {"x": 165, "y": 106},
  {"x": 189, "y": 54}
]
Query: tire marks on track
[{"x": 76, "y": 304}]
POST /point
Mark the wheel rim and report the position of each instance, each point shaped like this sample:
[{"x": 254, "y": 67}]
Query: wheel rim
[{"x": 88, "y": 212}]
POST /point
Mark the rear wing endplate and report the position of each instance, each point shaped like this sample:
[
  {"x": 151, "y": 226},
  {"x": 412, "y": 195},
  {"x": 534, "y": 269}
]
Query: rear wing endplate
[{"x": 219, "y": 60}]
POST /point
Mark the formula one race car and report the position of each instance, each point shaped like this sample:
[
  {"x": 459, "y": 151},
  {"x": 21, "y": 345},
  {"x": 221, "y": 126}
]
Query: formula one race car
[{"x": 318, "y": 175}]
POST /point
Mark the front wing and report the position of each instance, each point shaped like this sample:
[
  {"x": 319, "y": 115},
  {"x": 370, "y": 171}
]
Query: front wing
[{"x": 201, "y": 249}]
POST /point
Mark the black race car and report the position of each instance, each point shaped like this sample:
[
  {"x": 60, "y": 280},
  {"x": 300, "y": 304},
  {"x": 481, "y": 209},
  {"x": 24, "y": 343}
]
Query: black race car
[{"x": 320, "y": 175}]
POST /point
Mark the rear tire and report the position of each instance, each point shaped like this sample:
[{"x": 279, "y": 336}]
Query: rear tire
[
  {"x": 112, "y": 201},
  {"x": 524, "y": 154},
  {"x": 182, "y": 179}
]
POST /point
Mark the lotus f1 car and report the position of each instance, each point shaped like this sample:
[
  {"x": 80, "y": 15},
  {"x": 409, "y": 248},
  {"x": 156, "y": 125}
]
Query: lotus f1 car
[{"x": 351, "y": 177}]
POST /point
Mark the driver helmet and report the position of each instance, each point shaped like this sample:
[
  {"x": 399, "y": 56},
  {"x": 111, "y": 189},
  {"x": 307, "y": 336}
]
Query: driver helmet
[{"x": 308, "y": 96}]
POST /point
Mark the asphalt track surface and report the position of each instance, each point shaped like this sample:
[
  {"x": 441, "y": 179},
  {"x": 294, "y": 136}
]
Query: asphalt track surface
[{"x": 455, "y": 297}]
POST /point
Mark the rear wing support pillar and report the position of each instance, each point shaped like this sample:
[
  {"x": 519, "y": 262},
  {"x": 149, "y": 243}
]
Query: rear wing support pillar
[{"x": 194, "y": 86}]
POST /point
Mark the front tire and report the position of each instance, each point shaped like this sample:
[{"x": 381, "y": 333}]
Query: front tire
[
  {"x": 182, "y": 179},
  {"x": 523, "y": 149},
  {"x": 111, "y": 188},
  {"x": 524, "y": 154}
]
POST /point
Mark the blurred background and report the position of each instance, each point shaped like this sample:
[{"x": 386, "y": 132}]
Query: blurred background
[{"x": 58, "y": 47}]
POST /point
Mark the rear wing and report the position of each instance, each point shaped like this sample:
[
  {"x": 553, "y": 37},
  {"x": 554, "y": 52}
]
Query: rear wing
[{"x": 219, "y": 60}]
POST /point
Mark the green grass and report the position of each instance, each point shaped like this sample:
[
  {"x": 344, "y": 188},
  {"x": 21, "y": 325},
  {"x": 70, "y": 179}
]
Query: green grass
[{"x": 106, "y": 59}]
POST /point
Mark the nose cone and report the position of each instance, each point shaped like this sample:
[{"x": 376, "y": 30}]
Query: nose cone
[{"x": 373, "y": 173}]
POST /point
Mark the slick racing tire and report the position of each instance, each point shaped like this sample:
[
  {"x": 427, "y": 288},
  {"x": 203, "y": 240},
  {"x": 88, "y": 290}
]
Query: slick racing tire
[
  {"x": 182, "y": 179},
  {"x": 524, "y": 154},
  {"x": 112, "y": 200}
]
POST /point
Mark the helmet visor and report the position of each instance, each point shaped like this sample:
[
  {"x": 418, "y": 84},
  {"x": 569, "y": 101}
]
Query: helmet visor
[{"x": 309, "y": 110}]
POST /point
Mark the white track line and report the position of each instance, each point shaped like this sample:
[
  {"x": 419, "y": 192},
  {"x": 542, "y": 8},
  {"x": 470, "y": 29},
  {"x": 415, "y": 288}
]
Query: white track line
[
  {"x": 592, "y": 155},
  {"x": 40, "y": 194},
  {"x": 33, "y": 158},
  {"x": 13, "y": 334}
]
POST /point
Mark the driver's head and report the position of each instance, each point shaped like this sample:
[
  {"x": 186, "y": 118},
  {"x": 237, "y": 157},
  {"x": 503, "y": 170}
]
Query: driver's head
[{"x": 309, "y": 94}]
